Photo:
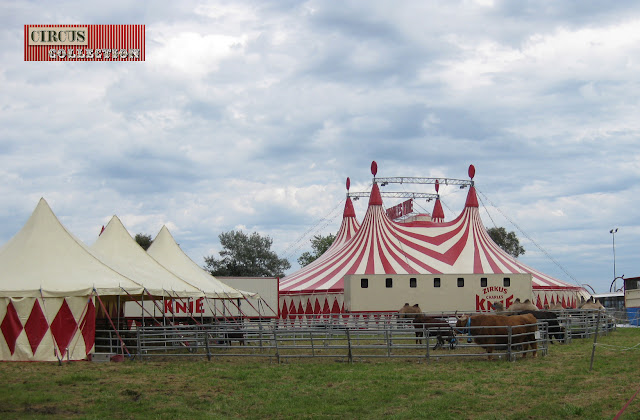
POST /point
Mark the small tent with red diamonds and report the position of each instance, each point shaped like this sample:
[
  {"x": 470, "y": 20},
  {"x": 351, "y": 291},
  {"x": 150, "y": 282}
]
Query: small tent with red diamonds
[{"x": 49, "y": 285}]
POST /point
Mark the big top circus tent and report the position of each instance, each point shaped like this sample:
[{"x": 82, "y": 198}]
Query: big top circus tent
[{"x": 381, "y": 246}]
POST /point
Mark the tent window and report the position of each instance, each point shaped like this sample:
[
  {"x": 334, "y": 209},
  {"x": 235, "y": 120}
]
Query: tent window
[
  {"x": 506, "y": 281},
  {"x": 364, "y": 283},
  {"x": 483, "y": 282},
  {"x": 389, "y": 282},
  {"x": 460, "y": 282},
  {"x": 413, "y": 282},
  {"x": 436, "y": 282}
]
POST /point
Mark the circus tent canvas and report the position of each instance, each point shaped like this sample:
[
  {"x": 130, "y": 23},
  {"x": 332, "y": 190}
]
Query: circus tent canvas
[
  {"x": 48, "y": 283},
  {"x": 381, "y": 246}
]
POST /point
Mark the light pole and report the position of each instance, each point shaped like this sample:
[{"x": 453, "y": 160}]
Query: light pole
[{"x": 613, "y": 234}]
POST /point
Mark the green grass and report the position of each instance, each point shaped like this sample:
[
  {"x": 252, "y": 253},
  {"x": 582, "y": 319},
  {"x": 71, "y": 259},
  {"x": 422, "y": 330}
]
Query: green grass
[{"x": 558, "y": 386}]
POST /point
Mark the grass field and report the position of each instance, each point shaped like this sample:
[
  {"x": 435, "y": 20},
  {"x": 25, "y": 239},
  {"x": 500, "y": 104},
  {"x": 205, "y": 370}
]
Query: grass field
[{"x": 557, "y": 386}]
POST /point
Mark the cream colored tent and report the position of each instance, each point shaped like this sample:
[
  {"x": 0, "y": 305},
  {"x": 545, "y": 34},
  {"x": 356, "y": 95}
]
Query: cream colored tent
[
  {"x": 166, "y": 251},
  {"x": 121, "y": 252},
  {"x": 48, "y": 282}
]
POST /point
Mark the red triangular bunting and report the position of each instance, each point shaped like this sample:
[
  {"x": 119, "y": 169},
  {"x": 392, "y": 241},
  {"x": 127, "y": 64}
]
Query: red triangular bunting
[
  {"x": 326, "y": 309},
  {"x": 546, "y": 302},
  {"x": 11, "y": 327},
  {"x": 317, "y": 309},
  {"x": 284, "y": 312},
  {"x": 309, "y": 308},
  {"x": 36, "y": 326},
  {"x": 335, "y": 309},
  {"x": 539, "y": 303}
]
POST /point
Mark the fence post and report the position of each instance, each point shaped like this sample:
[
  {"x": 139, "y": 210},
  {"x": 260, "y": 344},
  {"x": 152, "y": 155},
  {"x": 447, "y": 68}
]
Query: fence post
[
  {"x": 206, "y": 343},
  {"x": 547, "y": 341},
  {"x": 509, "y": 355},
  {"x": 313, "y": 349},
  {"x": 139, "y": 343},
  {"x": 350, "y": 355},
  {"x": 425, "y": 334},
  {"x": 387, "y": 338},
  {"x": 275, "y": 340},
  {"x": 595, "y": 341}
]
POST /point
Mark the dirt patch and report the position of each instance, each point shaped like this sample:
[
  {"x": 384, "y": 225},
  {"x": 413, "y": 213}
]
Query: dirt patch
[{"x": 133, "y": 394}]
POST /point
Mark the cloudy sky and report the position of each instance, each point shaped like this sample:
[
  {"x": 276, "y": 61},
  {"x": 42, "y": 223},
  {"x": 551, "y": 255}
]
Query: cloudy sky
[{"x": 251, "y": 115}]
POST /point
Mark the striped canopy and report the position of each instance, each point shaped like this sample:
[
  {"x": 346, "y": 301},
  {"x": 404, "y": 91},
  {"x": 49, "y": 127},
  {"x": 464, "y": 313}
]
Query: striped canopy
[{"x": 382, "y": 246}]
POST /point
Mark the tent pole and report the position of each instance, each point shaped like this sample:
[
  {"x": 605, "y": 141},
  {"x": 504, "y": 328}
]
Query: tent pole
[
  {"x": 124, "y": 347},
  {"x": 55, "y": 345},
  {"x": 164, "y": 312},
  {"x": 202, "y": 314},
  {"x": 76, "y": 337}
]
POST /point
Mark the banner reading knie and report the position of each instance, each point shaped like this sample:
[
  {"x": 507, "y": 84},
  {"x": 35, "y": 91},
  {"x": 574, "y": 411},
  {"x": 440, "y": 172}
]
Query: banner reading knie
[{"x": 84, "y": 43}]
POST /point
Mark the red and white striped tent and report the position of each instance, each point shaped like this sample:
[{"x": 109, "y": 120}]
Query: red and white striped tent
[{"x": 382, "y": 246}]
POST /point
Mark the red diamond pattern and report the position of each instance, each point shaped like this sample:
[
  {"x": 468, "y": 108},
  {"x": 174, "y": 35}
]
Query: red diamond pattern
[
  {"x": 63, "y": 327},
  {"x": 88, "y": 327},
  {"x": 36, "y": 326},
  {"x": 11, "y": 327}
]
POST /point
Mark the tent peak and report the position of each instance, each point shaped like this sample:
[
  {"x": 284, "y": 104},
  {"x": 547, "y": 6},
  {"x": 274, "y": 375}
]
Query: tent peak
[
  {"x": 375, "y": 199},
  {"x": 349, "y": 211},
  {"x": 438, "y": 214},
  {"x": 472, "y": 198}
]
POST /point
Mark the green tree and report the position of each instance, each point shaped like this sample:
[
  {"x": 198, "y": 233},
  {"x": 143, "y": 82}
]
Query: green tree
[
  {"x": 143, "y": 240},
  {"x": 319, "y": 244},
  {"x": 507, "y": 241},
  {"x": 246, "y": 256}
]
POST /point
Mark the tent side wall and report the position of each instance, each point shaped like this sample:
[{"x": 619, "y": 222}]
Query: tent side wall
[
  {"x": 434, "y": 292},
  {"x": 49, "y": 329}
]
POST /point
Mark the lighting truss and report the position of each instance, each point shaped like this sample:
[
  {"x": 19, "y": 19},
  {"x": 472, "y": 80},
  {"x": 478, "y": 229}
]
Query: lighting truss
[{"x": 416, "y": 180}]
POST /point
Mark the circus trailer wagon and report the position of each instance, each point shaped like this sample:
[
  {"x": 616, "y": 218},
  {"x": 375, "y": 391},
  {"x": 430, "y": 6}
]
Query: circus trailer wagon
[
  {"x": 379, "y": 248},
  {"x": 632, "y": 299},
  {"x": 434, "y": 292}
]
